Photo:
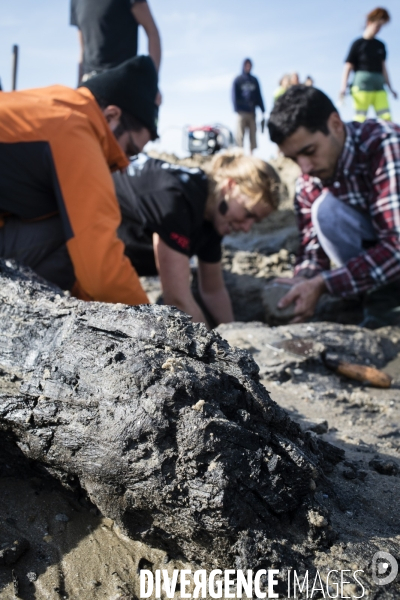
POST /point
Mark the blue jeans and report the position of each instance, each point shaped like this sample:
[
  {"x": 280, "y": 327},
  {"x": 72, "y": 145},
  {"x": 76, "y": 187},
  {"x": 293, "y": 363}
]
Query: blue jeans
[{"x": 344, "y": 233}]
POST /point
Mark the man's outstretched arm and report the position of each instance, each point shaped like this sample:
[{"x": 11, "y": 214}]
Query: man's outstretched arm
[
  {"x": 80, "y": 64},
  {"x": 141, "y": 12}
]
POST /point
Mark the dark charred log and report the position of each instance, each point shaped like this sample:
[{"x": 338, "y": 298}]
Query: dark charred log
[{"x": 164, "y": 425}]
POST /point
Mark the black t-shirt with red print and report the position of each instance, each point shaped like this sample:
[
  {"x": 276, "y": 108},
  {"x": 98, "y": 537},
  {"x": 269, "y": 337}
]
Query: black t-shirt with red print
[{"x": 159, "y": 197}]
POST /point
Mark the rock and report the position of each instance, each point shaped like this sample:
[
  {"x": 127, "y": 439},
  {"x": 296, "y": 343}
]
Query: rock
[
  {"x": 271, "y": 295},
  {"x": 349, "y": 474},
  {"x": 316, "y": 519},
  {"x": 62, "y": 518},
  {"x": 245, "y": 276},
  {"x": 95, "y": 407},
  {"x": 362, "y": 475},
  {"x": 245, "y": 292},
  {"x": 346, "y": 311},
  {"x": 271, "y": 243},
  {"x": 332, "y": 454},
  {"x": 319, "y": 428},
  {"x": 384, "y": 467}
]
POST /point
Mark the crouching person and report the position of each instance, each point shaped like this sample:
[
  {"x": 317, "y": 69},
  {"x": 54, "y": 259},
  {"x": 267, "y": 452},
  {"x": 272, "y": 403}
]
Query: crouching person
[
  {"x": 171, "y": 213},
  {"x": 347, "y": 204},
  {"x": 59, "y": 213}
]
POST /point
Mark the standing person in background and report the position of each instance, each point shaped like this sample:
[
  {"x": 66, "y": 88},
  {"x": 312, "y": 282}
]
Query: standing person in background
[
  {"x": 108, "y": 33},
  {"x": 246, "y": 96},
  {"x": 284, "y": 83},
  {"x": 294, "y": 79},
  {"x": 309, "y": 80},
  {"x": 367, "y": 58}
]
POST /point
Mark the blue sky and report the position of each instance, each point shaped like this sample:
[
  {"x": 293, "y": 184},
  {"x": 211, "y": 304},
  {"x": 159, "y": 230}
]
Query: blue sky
[{"x": 204, "y": 43}]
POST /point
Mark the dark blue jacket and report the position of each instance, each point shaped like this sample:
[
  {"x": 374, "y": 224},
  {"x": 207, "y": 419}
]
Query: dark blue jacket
[{"x": 246, "y": 93}]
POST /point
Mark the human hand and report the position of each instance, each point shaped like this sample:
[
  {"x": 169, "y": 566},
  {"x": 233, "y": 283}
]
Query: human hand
[
  {"x": 394, "y": 94},
  {"x": 305, "y": 294}
]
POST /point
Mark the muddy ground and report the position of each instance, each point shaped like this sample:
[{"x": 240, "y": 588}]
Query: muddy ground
[
  {"x": 362, "y": 420},
  {"x": 55, "y": 545}
]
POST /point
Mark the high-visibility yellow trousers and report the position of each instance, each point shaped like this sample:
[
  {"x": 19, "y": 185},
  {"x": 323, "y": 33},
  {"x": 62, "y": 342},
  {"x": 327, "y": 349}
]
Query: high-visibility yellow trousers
[{"x": 362, "y": 100}]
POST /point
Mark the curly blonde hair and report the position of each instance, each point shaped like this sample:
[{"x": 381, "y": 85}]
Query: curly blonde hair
[{"x": 255, "y": 177}]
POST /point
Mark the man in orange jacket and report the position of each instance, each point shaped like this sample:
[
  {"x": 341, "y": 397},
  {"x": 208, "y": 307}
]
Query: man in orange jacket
[{"x": 58, "y": 209}]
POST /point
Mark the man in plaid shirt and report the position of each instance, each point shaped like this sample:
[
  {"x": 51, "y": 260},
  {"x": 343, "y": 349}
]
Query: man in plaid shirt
[{"x": 347, "y": 204}]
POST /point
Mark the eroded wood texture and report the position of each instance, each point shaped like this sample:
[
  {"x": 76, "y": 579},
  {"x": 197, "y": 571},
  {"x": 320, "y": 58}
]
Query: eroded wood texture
[{"x": 164, "y": 425}]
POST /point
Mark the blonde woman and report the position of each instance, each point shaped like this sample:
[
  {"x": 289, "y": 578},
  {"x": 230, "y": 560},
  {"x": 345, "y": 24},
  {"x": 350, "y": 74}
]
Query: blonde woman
[
  {"x": 367, "y": 58},
  {"x": 171, "y": 213}
]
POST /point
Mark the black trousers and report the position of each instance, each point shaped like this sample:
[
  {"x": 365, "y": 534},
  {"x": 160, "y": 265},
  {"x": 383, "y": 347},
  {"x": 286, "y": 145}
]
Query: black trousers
[{"x": 40, "y": 245}]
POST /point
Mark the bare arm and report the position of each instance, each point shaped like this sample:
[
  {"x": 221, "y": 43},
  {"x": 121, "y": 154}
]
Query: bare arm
[
  {"x": 80, "y": 65},
  {"x": 387, "y": 80},
  {"x": 214, "y": 293},
  {"x": 143, "y": 16},
  {"x": 348, "y": 67},
  {"x": 174, "y": 272}
]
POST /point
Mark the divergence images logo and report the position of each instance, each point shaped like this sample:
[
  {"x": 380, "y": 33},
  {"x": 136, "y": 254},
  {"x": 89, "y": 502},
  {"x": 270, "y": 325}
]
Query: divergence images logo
[{"x": 384, "y": 568}]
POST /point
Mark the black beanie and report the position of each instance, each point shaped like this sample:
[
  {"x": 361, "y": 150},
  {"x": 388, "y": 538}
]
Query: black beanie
[{"x": 132, "y": 86}]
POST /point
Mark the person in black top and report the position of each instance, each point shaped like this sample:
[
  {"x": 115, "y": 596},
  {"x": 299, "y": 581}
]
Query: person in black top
[
  {"x": 367, "y": 58},
  {"x": 108, "y": 33},
  {"x": 170, "y": 213}
]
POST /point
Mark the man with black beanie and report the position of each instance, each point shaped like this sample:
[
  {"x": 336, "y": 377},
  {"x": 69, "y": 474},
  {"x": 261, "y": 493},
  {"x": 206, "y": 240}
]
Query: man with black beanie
[{"x": 58, "y": 209}]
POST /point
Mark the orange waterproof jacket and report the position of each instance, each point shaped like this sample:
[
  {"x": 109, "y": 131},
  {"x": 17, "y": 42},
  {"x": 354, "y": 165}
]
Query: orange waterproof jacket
[{"x": 56, "y": 153}]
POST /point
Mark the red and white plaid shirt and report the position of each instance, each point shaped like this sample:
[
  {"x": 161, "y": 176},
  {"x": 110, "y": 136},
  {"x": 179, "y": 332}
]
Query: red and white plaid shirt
[{"x": 367, "y": 178}]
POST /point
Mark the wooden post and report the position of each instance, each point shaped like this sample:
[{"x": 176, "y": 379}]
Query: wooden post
[{"x": 14, "y": 66}]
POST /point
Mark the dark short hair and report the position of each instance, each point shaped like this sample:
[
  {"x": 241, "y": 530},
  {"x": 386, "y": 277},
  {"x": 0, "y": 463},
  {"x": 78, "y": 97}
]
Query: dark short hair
[
  {"x": 300, "y": 106},
  {"x": 128, "y": 122}
]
